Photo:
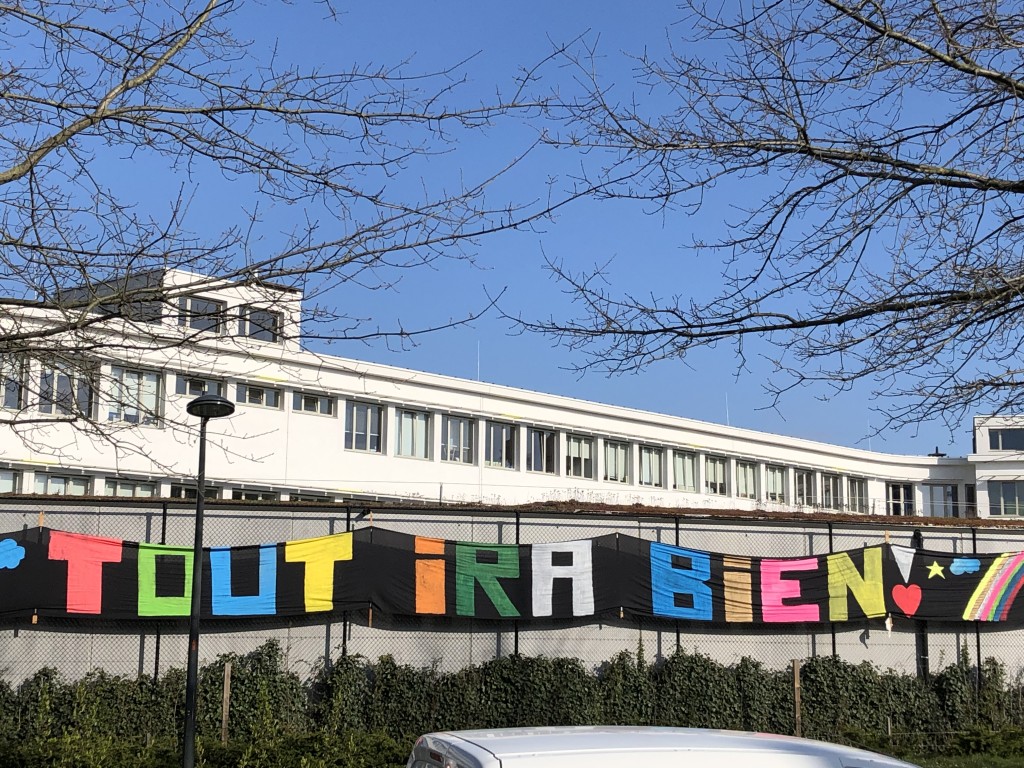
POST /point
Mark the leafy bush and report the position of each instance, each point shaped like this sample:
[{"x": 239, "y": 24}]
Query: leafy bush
[{"x": 355, "y": 712}]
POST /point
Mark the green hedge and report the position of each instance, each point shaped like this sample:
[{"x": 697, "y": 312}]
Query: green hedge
[{"x": 356, "y": 712}]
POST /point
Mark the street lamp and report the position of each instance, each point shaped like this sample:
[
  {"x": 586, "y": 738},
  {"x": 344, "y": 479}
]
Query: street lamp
[{"x": 205, "y": 407}]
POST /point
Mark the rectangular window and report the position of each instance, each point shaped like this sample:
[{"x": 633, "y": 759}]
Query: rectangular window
[
  {"x": 804, "y": 491},
  {"x": 940, "y": 501},
  {"x": 241, "y": 494},
  {"x": 616, "y": 462},
  {"x": 182, "y": 491},
  {"x": 684, "y": 471},
  {"x": 1006, "y": 497},
  {"x": 832, "y": 491},
  {"x": 136, "y": 307},
  {"x": 542, "y": 450},
  {"x": 413, "y": 436},
  {"x": 746, "y": 480},
  {"x": 1006, "y": 439},
  {"x": 500, "y": 448},
  {"x": 715, "y": 468},
  {"x": 201, "y": 314},
  {"x": 130, "y": 489},
  {"x": 775, "y": 484},
  {"x": 858, "y": 488},
  {"x": 13, "y": 374},
  {"x": 66, "y": 392},
  {"x": 194, "y": 387},
  {"x": 317, "y": 498},
  {"x": 970, "y": 500},
  {"x": 579, "y": 457},
  {"x": 136, "y": 396},
  {"x": 10, "y": 481},
  {"x": 363, "y": 426},
  {"x": 61, "y": 485},
  {"x": 651, "y": 466},
  {"x": 259, "y": 324},
  {"x": 457, "y": 439},
  {"x": 250, "y": 394},
  {"x": 899, "y": 499},
  {"x": 306, "y": 402}
]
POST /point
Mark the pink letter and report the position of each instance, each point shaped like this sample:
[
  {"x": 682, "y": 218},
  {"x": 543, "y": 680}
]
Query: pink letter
[
  {"x": 85, "y": 556},
  {"x": 775, "y": 589}
]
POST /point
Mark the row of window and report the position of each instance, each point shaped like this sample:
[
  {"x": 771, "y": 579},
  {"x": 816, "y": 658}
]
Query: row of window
[
  {"x": 54, "y": 484},
  {"x": 1005, "y": 498},
  {"x": 209, "y": 316},
  {"x": 136, "y": 396}
]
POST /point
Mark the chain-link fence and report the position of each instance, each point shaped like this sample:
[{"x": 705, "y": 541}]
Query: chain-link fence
[{"x": 76, "y": 648}]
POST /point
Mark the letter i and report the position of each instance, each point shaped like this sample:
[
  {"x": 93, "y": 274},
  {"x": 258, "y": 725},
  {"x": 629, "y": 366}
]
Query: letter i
[
  {"x": 737, "y": 589},
  {"x": 430, "y": 572}
]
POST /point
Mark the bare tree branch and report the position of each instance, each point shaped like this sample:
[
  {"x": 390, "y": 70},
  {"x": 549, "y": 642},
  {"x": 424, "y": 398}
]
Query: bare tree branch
[{"x": 884, "y": 240}]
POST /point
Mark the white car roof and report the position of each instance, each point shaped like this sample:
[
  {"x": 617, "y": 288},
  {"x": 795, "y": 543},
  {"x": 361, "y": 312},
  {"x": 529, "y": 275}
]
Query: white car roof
[{"x": 509, "y": 743}]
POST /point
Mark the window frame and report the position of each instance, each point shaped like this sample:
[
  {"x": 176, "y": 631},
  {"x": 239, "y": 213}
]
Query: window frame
[
  {"x": 857, "y": 502},
  {"x": 187, "y": 316},
  {"x": 79, "y": 382},
  {"x": 507, "y": 442},
  {"x": 948, "y": 503},
  {"x": 719, "y": 484},
  {"x": 123, "y": 482},
  {"x": 902, "y": 506},
  {"x": 67, "y": 480},
  {"x": 652, "y": 466},
  {"x": 679, "y": 461},
  {"x": 191, "y": 493},
  {"x": 13, "y": 371},
  {"x": 466, "y": 434},
  {"x": 116, "y": 409},
  {"x": 998, "y": 436},
  {"x": 246, "y": 387},
  {"x": 16, "y": 478},
  {"x": 246, "y": 325},
  {"x": 240, "y": 494},
  {"x": 774, "y": 472},
  {"x": 425, "y": 438},
  {"x": 746, "y": 475},
  {"x": 372, "y": 441},
  {"x": 805, "y": 488},
  {"x": 620, "y": 451},
  {"x": 542, "y": 450},
  {"x": 183, "y": 385},
  {"x": 301, "y": 397},
  {"x": 832, "y": 491},
  {"x": 576, "y": 464}
]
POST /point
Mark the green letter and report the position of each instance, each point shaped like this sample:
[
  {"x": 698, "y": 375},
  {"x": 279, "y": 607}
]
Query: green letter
[
  {"x": 149, "y": 603},
  {"x": 469, "y": 571}
]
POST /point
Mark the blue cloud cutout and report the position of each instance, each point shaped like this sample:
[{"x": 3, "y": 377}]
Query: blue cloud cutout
[
  {"x": 11, "y": 553},
  {"x": 960, "y": 566}
]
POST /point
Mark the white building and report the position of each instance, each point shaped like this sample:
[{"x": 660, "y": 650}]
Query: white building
[{"x": 310, "y": 426}]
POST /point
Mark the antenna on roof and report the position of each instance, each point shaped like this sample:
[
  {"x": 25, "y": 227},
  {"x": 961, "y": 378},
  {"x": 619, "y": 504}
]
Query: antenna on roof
[{"x": 937, "y": 453}]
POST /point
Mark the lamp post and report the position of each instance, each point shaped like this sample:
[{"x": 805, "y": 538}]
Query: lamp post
[{"x": 205, "y": 407}]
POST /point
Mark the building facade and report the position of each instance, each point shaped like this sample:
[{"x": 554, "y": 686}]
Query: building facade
[{"x": 316, "y": 427}]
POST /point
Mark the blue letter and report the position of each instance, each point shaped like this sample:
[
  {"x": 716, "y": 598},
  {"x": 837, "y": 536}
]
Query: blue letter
[
  {"x": 668, "y": 580},
  {"x": 224, "y": 603}
]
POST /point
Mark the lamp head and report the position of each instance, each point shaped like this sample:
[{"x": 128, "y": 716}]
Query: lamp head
[{"x": 210, "y": 406}]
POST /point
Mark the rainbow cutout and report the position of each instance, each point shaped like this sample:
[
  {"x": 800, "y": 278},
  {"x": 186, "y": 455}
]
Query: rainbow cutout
[{"x": 998, "y": 589}]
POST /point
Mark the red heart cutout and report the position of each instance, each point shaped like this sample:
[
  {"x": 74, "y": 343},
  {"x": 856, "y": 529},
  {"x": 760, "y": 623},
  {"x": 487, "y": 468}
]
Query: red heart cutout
[{"x": 908, "y": 598}]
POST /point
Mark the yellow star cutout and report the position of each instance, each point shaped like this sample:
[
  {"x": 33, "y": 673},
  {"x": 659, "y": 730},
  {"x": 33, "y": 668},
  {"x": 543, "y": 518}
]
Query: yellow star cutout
[{"x": 935, "y": 570}]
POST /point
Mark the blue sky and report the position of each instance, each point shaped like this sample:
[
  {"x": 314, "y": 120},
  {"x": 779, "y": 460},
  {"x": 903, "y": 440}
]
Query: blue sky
[{"x": 647, "y": 252}]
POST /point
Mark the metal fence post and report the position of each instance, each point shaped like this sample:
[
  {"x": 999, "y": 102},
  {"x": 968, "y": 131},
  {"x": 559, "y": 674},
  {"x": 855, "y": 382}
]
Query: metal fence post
[{"x": 921, "y": 627}]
